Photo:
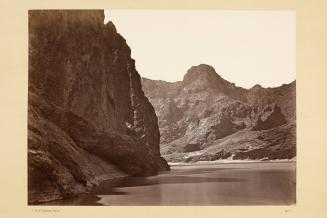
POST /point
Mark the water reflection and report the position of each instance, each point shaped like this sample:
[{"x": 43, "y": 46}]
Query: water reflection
[{"x": 249, "y": 184}]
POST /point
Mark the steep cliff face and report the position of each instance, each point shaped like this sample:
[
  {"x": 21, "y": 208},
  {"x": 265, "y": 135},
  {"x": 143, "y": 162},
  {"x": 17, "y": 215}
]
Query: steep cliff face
[
  {"x": 204, "y": 110},
  {"x": 85, "y": 103}
]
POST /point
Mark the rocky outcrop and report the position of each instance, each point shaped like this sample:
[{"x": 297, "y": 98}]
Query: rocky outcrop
[
  {"x": 204, "y": 109},
  {"x": 59, "y": 165},
  {"x": 269, "y": 117},
  {"x": 203, "y": 77},
  {"x": 88, "y": 117}
]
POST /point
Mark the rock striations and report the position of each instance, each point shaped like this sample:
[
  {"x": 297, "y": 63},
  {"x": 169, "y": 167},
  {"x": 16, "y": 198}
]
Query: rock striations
[
  {"x": 88, "y": 118},
  {"x": 205, "y": 117}
]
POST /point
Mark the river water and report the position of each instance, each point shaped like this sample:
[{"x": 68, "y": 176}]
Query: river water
[{"x": 264, "y": 183}]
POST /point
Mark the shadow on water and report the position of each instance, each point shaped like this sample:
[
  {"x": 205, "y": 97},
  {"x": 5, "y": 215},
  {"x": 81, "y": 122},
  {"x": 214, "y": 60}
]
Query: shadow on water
[
  {"x": 246, "y": 185},
  {"x": 109, "y": 187}
]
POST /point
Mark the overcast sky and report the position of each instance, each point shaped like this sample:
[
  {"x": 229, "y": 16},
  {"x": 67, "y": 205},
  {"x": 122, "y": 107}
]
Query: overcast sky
[{"x": 245, "y": 47}]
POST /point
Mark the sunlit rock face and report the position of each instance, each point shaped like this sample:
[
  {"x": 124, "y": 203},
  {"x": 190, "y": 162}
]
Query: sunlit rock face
[
  {"x": 205, "y": 117},
  {"x": 88, "y": 118}
]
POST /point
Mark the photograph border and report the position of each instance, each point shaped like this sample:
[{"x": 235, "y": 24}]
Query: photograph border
[{"x": 311, "y": 105}]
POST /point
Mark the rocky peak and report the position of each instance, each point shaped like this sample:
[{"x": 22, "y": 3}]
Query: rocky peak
[
  {"x": 202, "y": 74},
  {"x": 256, "y": 87},
  {"x": 204, "y": 78}
]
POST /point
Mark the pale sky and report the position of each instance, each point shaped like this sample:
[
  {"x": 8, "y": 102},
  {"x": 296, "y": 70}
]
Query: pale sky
[{"x": 244, "y": 47}]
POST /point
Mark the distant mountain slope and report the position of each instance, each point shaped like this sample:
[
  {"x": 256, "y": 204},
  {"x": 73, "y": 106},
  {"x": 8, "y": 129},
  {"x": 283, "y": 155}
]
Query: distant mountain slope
[{"x": 205, "y": 117}]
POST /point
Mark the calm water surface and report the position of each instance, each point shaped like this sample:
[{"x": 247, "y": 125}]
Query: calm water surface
[{"x": 219, "y": 184}]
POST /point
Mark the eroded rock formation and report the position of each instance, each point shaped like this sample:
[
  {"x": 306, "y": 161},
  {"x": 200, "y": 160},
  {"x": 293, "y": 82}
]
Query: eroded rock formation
[
  {"x": 88, "y": 118},
  {"x": 205, "y": 117}
]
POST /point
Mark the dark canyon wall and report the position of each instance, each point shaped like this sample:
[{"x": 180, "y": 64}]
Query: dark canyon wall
[{"x": 88, "y": 118}]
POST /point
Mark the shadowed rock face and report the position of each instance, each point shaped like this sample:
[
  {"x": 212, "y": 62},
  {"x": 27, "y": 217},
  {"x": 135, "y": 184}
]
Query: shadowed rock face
[
  {"x": 204, "y": 110},
  {"x": 88, "y": 117},
  {"x": 269, "y": 117}
]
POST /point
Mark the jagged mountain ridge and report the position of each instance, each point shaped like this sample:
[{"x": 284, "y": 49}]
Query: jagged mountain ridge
[
  {"x": 88, "y": 118},
  {"x": 199, "y": 115}
]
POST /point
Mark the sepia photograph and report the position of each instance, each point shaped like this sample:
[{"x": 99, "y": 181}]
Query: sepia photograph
[{"x": 161, "y": 107}]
